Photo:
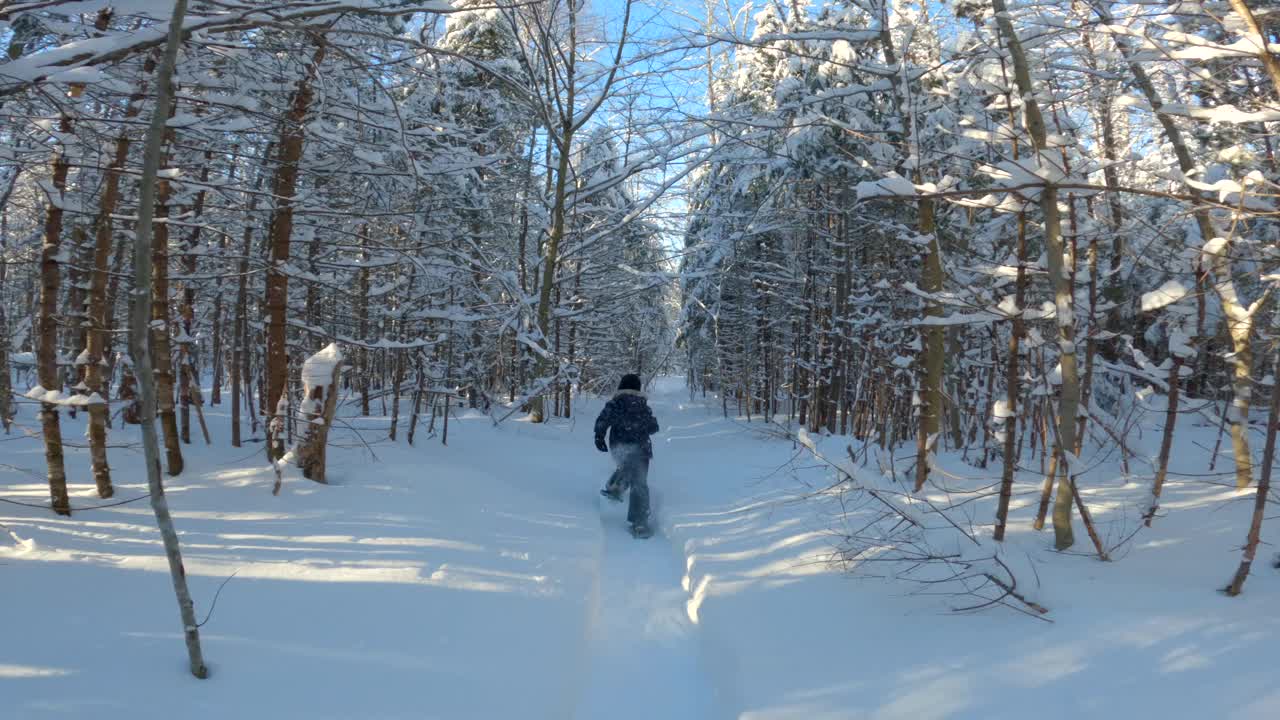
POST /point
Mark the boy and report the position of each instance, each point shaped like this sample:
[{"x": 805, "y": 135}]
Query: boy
[{"x": 629, "y": 423}]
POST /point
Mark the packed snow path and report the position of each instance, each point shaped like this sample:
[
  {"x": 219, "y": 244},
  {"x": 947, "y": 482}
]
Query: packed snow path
[{"x": 643, "y": 659}]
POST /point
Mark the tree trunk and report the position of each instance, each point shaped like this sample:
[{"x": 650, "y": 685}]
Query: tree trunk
[
  {"x": 1240, "y": 322},
  {"x": 1166, "y": 439},
  {"x": 1013, "y": 385},
  {"x": 550, "y": 261},
  {"x": 247, "y": 376},
  {"x": 283, "y": 189},
  {"x": 216, "y": 349},
  {"x": 1059, "y": 280},
  {"x": 239, "y": 334},
  {"x": 197, "y": 402},
  {"x": 160, "y": 333},
  {"x": 934, "y": 349},
  {"x": 73, "y": 331},
  {"x": 1264, "y": 483},
  {"x": 47, "y": 339},
  {"x": 397, "y": 378},
  {"x": 138, "y": 336},
  {"x": 320, "y": 388},
  {"x": 109, "y": 353},
  {"x": 187, "y": 372},
  {"x": 1111, "y": 178},
  {"x": 1090, "y": 343},
  {"x": 96, "y": 346},
  {"x": 239, "y": 329},
  {"x": 417, "y": 396},
  {"x": 362, "y": 322},
  {"x": 6, "y": 389}
]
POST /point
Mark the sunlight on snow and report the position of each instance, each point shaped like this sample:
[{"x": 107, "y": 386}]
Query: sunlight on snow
[{"x": 15, "y": 672}]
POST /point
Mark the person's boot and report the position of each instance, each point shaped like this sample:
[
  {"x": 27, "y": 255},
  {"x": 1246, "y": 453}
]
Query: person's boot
[
  {"x": 641, "y": 529},
  {"x": 613, "y": 489}
]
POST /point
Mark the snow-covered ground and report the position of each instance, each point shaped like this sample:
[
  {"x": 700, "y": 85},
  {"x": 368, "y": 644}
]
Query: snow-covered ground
[{"x": 487, "y": 579}]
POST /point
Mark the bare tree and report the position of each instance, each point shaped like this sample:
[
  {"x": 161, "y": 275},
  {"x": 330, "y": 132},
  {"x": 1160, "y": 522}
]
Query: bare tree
[
  {"x": 139, "y": 332},
  {"x": 558, "y": 60}
]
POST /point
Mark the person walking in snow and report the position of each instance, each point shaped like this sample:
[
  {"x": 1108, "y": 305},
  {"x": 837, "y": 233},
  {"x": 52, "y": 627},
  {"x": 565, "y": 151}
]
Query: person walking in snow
[{"x": 629, "y": 422}]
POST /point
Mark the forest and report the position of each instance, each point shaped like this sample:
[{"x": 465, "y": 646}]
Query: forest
[{"x": 994, "y": 278}]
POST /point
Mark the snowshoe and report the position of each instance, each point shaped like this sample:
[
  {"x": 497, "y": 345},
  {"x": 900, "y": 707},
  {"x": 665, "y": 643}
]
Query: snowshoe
[
  {"x": 612, "y": 495},
  {"x": 641, "y": 530}
]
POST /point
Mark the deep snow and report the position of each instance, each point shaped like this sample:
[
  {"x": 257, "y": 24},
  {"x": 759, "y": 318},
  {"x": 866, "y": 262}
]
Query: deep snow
[{"x": 486, "y": 579}]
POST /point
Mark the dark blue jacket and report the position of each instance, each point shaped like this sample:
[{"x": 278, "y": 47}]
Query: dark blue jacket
[{"x": 628, "y": 421}]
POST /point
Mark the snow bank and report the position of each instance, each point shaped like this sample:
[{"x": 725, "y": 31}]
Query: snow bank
[
  {"x": 458, "y": 592},
  {"x": 787, "y": 636}
]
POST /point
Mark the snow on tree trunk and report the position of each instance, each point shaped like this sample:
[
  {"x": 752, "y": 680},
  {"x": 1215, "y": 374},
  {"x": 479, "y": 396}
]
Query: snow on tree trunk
[
  {"x": 320, "y": 400},
  {"x": 276, "y": 430},
  {"x": 1240, "y": 327},
  {"x": 1006, "y": 415},
  {"x": 139, "y": 346}
]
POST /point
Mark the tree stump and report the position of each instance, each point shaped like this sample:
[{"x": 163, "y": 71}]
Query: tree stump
[{"x": 320, "y": 400}]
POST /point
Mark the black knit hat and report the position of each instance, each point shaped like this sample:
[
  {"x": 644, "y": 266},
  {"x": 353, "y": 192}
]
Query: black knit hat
[{"x": 630, "y": 381}]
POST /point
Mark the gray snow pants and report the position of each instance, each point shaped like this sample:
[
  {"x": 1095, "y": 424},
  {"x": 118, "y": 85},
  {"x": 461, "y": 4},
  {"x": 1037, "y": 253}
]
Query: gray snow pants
[{"x": 632, "y": 473}]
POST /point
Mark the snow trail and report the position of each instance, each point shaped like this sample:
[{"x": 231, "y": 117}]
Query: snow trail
[{"x": 644, "y": 659}]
